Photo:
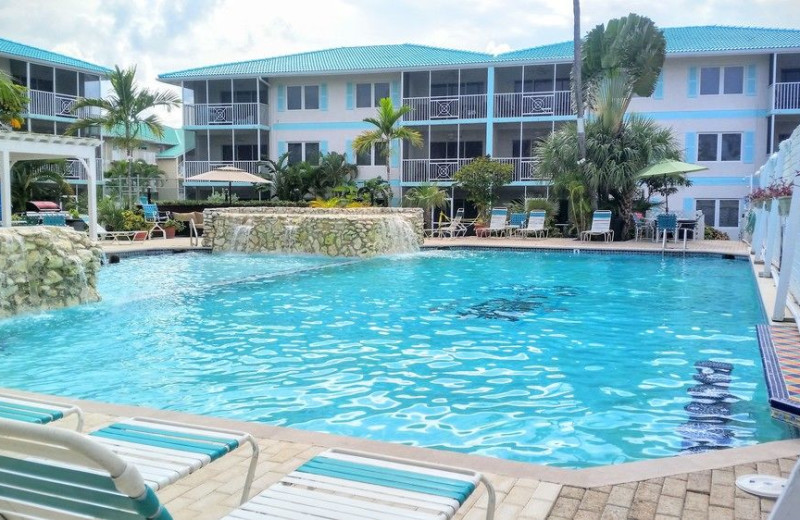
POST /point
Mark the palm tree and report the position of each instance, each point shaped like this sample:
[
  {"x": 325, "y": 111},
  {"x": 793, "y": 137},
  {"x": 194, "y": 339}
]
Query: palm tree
[
  {"x": 576, "y": 70},
  {"x": 122, "y": 113},
  {"x": 386, "y": 130},
  {"x": 427, "y": 197},
  {"x": 333, "y": 171},
  {"x": 13, "y": 102},
  {"x": 32, "y": 180}
]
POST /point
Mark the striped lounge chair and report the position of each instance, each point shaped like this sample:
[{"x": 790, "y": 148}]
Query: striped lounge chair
[
  {"x": 36, "y": 411},
  {"x": 345, "y": 485},
  {"x": 601, "y": 226}
]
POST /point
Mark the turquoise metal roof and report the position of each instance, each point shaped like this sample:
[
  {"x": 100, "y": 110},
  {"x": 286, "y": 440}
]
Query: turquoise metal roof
[
  {"x": 684, "y": 40},
  {"x": 342, "y": 59},
  {"x": 26, "y": 52}
]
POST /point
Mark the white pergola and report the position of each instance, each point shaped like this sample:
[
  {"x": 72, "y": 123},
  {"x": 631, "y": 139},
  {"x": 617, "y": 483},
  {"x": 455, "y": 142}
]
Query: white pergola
[{"x": 26, "y": 146}]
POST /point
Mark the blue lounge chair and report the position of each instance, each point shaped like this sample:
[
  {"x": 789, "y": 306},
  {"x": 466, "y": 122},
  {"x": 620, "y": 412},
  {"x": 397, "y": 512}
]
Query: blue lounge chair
[
  {"x": 54, "y": 219},
  {"x": 536, "y": 223},
  {"x": 36, "y": 411},
  {"x": 516, "y": 222},
  {"x": 155, "y": 218},
  {"x": 342, "y": 484},
  {"x": 666, "y": 223},
  {"x": 57, "y": 473},
  {"x": 601, "y": 226}
]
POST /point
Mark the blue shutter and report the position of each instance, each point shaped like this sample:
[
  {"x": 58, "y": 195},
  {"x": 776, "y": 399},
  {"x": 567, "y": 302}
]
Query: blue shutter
[
  {"x": 282, "y": 148},
  {"x": 323, "y": 97},
  {"x": 750, "y": 80},
  {"x": 395, "y": 154},
  {"x": 692, "y": 88},
  {"x": 658, "y": 93},
  {"x": 348, "y": 151},
  {"x": 394, "y": 93},
  {"x": 281, "y": 98},
  {"x": 350, "y": 98},
  {"x": 748, "y": 147},
  {"x": 323, "y": 148},
  {"x": 691, "y": 147},
  {"x": 688, "y": 206}
]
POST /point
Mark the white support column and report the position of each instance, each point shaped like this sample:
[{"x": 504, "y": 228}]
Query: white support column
[
  {"x": 91, "y": 184},
  {"x": 773, "y": 231},
  {"x": 5, "y": 180},
  {"x": 762, "y": 216},
  {"x": 787, "y": 259}
]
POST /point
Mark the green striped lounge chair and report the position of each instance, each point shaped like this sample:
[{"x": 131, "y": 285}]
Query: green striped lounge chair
[
  {"x": 165, "y": 451},
  {"x": 53, "y": 473},
  {"x": 601, "y": 226},
  {"x": 498, "y": 221},
  {"x": 37, "y": 411},
  {"x": 348, "y": 485},
  {"x": 536, "y": 223}
]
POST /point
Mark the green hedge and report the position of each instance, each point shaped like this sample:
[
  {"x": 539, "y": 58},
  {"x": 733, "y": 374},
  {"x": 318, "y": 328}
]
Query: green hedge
[{"x": 186, "y": 206}]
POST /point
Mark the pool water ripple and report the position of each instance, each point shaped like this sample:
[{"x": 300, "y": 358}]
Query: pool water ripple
[{"x": 540, "y": 357}]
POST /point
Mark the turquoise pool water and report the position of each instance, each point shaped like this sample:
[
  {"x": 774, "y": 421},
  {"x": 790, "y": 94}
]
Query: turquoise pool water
[{"x": 553, "y": 358}]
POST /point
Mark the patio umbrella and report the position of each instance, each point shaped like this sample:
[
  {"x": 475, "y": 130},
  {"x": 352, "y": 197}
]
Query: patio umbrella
[
  {"x": 230, "y": 175},
  {"x": 669, "y": 170}
]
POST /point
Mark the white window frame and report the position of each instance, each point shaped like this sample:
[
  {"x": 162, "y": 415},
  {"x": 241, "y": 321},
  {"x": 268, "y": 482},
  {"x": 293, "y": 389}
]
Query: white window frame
[
  {"x": 373, "y": 102},
  {"x": 304, "y": 151},
  {"x": 303, "y": 96},
  {"x": 721, "y": 85},
  {"x": 373, "y": 154},
  {"x": 719, "y": 147},
  {"x": 717, "y": 202}
]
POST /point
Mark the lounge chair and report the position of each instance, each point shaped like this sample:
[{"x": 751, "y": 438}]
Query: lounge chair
[
  {"x": 54, "y": 219},
  {"x": 535, "y": 227},
  {"x": 498, "y": 222},
  {"x": 516, "y": 222},
  {"x": 453, "y": 228},
  {"x": 37, "y": 411},
  {"x": 666, "y": 223},
  {"x": 154, "y": 218},
  {"x": 342, "y": 484},
  {"x": 165, "y": 451},
  {"x": 56, "y": 473},
  {"x": 601, "y": 226}
]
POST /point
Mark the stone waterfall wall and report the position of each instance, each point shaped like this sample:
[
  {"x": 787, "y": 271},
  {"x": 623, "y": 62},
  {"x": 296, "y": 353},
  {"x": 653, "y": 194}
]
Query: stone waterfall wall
[
  {"x": 45, "y": 268},
  {"x": 352, "y": 232}
]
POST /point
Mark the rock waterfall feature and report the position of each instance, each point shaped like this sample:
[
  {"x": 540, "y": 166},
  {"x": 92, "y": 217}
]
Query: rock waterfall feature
[
  {"x": 46, "y": 268},
  {"x": 352, "y": 232}
]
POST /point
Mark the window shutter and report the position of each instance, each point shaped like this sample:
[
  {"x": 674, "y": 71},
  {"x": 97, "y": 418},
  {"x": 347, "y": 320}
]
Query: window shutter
[
  {"x": 691, "y": 147},
  {"x": 281, "y": 98},
  {"x": 323, "y": 97},
  {"x": 748, "y": 147},
  {"x": 688, "y": 206},
  {"x": 323, "y": 148},
  {"x": 282, "y": 148},
  {"x": 394, "y": 93},
  {"x": 350, "y": 98},
  {"x": 692, "y": 87},
  {"x": 658, "y": 93},
  {"x": 750, "y": 80},
  {"x": 348, "y": 151},
  {"x": 395, "y": 154}
]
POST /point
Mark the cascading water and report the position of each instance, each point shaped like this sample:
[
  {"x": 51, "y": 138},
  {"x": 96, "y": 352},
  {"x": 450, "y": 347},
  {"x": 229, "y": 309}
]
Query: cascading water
[
  {"x": 241, "y": 235},
  {"x": 289, "y": 237},
  {"x": 400, "y": 236}
]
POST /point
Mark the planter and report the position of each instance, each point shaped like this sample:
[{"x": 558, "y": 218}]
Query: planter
[
  {"x": 481, "y": 230},
  {"x": 140, "y": 236},
  {"x": 169, "y": 232},
  {"x": 768, "y": 205},
  {"x": 784, "y": 204}
]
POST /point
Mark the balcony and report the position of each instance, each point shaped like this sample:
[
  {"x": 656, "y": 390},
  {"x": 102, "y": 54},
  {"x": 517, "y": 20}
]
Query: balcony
[
  {"x": 472, "y": 106},
  {"x": 222, "y": 114},
  {"x": 420, "y": 171},
  {"x": 532, "y": 104},
  {"x": 190, "y": 168},
  {"x": 54, "y": 104},
  {"x": 786, "y": 96},
  {"x": 75, "y": 171}
]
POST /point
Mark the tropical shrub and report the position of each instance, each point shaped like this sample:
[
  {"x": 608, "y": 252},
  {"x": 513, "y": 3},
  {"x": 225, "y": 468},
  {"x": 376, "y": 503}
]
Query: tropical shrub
[
  {"x": 482, "y": 179},
  {"x": 711, "y": 233}
]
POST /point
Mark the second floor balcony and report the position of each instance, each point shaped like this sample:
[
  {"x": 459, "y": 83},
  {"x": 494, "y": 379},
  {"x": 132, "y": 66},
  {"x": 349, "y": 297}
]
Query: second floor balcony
[
  {"x": 470, "y": 106},
  {"x": 226, "y": 114},
  {"x": 423, "y": 171},
  {"x": 75, "y": 171},
  {"x": 786, "y": 96},
  {"x": 532, "y": 104},
  {"x": 53, "y": 104},
  {"x": 191, "y": 168}
]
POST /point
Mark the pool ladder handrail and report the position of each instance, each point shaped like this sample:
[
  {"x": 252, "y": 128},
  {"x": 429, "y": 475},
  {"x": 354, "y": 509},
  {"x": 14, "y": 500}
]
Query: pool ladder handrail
[{"x": 194, "y": 236}]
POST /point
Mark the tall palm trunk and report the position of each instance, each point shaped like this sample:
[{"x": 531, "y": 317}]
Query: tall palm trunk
[{"x": 577, "y": 66}]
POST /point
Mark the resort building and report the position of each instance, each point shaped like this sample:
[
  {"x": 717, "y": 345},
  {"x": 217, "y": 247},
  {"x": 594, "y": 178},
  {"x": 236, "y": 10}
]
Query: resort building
[{"x": 729, "y": 94}]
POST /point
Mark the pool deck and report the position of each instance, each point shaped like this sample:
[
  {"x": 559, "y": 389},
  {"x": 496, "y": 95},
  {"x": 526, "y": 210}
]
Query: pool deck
[{"x": 699, "y": 486}]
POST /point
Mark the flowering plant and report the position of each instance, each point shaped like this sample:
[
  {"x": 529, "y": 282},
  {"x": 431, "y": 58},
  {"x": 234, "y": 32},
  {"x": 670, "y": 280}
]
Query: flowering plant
[
  {"x": 780, "y": 188},
  {"x": 758, "y": 196}
]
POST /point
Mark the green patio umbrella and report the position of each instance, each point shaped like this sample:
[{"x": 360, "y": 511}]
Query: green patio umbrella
[{"x": 669, "y": 170}]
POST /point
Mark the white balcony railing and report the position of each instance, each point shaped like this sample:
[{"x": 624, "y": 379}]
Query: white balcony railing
[
  {"x": 472, "y": 106},
  {"x": 75, "y": 170},
  {"x": 147, "y": 156},
  {"x": 212, "y": 114},
  {"x": 54, "y": 104},
  {"x": 531, "y": 104},
  {"x": 443, "y": 170},
  {"x": 190, "y": 168},
  {"x": 525, "y": 168},
  {"x": 787, "y": 96}
]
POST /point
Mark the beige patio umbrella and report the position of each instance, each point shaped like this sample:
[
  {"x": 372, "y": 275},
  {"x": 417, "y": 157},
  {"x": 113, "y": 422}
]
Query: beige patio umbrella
[{"x": 230, "y": 175}]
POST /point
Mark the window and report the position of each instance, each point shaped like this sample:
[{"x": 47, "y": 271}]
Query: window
[
  {"x": 312, "y": 153},
  {"x": 728, "y": 80},
  {"x": 381, "y": 91},
  {"x": 373, "y": 157},
  {"x": 308, "y": 152},
  {"x": 526, "y": 150},
  {"x": 295, "y": 153},
  {"x": 448, "y": 149},
  {"x": 363, "y": 95},
  {"x": 722, "y": 213},
  {"x": 302, "y": 97},
  {"x": 719, "y": 147}
]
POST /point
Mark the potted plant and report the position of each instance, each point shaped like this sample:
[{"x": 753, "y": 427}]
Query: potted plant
[
  {"x": 132, "y": 221},
  {"x": 781, "y": 190},
  {"x": 481, "y": 180},
  {"x": 172, "y": 226},
  {"x": 758, "y": 197}
]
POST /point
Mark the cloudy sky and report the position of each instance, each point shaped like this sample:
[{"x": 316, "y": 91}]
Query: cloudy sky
[{"x": 168, "y": 35}]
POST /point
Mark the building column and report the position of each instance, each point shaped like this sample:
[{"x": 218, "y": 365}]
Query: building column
[
  {"x": 490, "y": 111},
  {"x": 91, "y": 184},
  {"x": 5, "y": 194}
]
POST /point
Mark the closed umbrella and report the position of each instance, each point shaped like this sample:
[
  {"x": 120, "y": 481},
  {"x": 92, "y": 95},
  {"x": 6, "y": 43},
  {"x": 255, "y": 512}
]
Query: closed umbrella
[
  {"x": 670, "y": 170},
  {"x": 230, "y": 175}
]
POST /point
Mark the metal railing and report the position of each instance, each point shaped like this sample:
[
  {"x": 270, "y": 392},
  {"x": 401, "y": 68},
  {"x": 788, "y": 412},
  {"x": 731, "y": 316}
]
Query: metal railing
[
  {"x": 786, "y": 96},
  {"x": 443, "y": 170},
  {"x": 75, "y": 171},
  {"x": 190, "y": 168},
  {"x": 44, "y": 103},
  {"x": 531, "y": 104},
  {"x": 470, "y": 106},
  {"x": 211, "y": 114}
]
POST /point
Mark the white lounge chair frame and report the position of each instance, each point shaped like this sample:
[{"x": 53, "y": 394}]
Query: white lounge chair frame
[
  {"x": 536, "y": 223},
  {"x": 498, "y": 222},
  {"x": 601, "y": 226},
  {"x": 11, "y": 401}
]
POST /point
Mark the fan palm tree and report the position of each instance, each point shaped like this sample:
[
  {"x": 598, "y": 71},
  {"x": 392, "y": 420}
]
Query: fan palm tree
[
  {"x": 427, "y": 197},
  {"x": 386, "y": 130},
  {"x": 122, "y": 113},
  {"x": 333, "y": 170},
  {"x": 32, "y": 180}
]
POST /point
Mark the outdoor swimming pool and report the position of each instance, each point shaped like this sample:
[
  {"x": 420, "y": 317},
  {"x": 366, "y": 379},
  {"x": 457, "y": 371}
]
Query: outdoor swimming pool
[{"x": 545, "y": 357}]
